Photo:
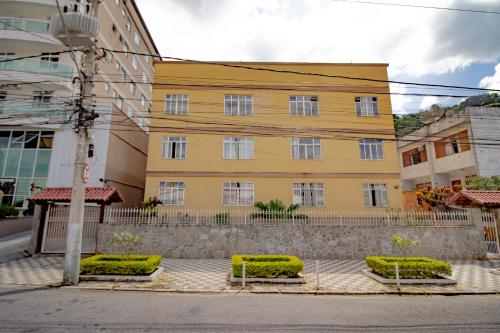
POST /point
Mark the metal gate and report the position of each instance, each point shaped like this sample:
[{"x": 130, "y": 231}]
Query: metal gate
[
  {"x": 56, "y": 229},
  {"x": 490, "y": 232}
]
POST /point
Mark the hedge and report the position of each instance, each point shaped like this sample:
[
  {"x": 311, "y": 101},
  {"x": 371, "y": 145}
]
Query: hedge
[
  {"x": 103, "y": 264},
  {"x": 267, "y": 266},
  {"x": 409, "y": 268}
]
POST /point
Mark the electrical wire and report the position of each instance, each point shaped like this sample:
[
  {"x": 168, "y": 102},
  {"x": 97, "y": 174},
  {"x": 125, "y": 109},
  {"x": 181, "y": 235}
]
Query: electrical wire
[{"x": 477, "y": 11}]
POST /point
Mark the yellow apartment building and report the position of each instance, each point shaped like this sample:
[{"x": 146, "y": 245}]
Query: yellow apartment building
[{"x": 231, "y": 134}]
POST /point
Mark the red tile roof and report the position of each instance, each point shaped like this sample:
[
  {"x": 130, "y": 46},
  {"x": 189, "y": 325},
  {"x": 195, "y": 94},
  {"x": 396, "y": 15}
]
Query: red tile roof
[
  {"x": 92, "y": 194},
  {"x": 481, "y": 198}
]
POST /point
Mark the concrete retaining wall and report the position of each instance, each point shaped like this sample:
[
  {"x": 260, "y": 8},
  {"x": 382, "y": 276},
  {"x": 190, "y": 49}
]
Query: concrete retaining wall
[{"x": 315, "y": 242}]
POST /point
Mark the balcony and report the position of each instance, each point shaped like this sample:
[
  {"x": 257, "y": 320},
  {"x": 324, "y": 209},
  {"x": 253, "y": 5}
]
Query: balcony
[
  {"x": 31, "y": 109},
  {"x": 16, "y": 30},
  {"x": 416, "y": 171},
  {"x": 28, "y": 70},
  {"x": 453, "y": 162}
]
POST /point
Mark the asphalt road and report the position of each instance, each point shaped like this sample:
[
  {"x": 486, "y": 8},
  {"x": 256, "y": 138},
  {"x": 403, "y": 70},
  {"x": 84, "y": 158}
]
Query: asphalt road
[
  {"x": 14, "y": 246},
  {"x": 64, "y": 310},
  {"x": 13, "y": 226}
]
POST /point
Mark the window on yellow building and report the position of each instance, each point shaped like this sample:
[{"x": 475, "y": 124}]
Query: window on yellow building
[
  {"x": 366, "y": 106},
  {"x": 308, "y": 194},
  {"x": 176, "y": 104},
  {"x": 237, "y": 194},
  {"x": 238, "y": 105},
  {"x": 174, "y": 147},
  {"x": 304, "y": 105},
  {"x": 236, "y": 148},
  {"x": 306, "y": 149},
  {"x": 371, "y": 149},
  {"x": 172, "y": 193},
  {"x": 375, "y": 195}
]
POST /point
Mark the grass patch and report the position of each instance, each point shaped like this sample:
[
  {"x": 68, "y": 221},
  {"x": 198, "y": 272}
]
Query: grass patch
[
  {"x": 267, "y": 266},
  {"x": 409, "y": 267},
  {"x": 103, "y": 264}
]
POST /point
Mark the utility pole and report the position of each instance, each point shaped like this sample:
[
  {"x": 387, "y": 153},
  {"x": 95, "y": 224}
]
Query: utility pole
[{"x": 86, "y": 116}]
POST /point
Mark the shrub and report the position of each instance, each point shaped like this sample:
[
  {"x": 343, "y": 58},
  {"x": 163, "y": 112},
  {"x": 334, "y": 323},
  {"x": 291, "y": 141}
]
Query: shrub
[
  {"x": 221, "y": 218},
  {"x": 409, "y": 268},
  {"x": 267, "y": 266},
  {"x": 102, "y": 264},
  {"x": 276, "y": 209},
  {"x": 8, "y": 211}
]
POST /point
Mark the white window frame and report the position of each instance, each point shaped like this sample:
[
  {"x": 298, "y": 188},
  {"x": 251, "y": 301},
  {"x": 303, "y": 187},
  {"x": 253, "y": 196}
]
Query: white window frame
[
  {"x": 42, "y": 98},
  {"x": 172, "y": 193},
  {"x": 235, "y": 199},
  {"x": 135, "y": 62},
  {"x": 174, "y": 145},
  {"x": 238, "y": 105},
  {"x": 371, "y": 149},
  {"x": 137, "y": 39},
  {"x": 123, "y": 74},
  {"x": 301, "y": 105},
  {"x": 375, "y": 195},
  {"x": 176, "y": 104},
  {"x": 308, "y": 194},
  {"x": 130, "y": 111},
  {"x": 132, "y": 87},
  {"x": 366, "y": 106},
  {"x": 238, "y": 148},
  {"x": 302, "y": 149}
]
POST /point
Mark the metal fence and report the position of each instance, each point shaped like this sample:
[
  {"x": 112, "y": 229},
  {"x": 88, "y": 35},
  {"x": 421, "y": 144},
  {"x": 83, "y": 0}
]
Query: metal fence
[
  {"x": 490, "y": 232},
  {"x": 172, "y": 216}
]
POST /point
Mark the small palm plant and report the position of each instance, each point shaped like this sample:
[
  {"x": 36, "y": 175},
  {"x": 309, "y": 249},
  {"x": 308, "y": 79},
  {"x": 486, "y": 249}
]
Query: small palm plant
[
  {"x": 125, "y": 241},
  {"x": 404, "y": 244},
  {"x": 276, "y": 209}
]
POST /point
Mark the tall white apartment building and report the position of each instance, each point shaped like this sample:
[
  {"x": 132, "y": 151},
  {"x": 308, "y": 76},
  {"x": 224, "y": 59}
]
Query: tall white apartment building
[{"x": 37, "y": 94}]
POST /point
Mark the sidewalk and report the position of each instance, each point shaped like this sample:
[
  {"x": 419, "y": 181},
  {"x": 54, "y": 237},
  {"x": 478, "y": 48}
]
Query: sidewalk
[{"x": 201, "y": 275}]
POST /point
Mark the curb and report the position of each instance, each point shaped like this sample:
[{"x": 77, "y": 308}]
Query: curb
[{"x": 287, "y": 292}]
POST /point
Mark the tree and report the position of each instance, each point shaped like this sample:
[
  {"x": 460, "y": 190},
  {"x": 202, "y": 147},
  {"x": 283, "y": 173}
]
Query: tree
[
  {"x": 436, "y": 197},
  {"x": 477, "y": 183}
]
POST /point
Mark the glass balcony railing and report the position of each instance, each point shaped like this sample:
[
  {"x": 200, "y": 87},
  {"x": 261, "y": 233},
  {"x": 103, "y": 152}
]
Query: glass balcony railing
[
  {"x": 30, "y": 109},
  {"x": 14, "y": 23},
  {"x": 37, "y": 67}
]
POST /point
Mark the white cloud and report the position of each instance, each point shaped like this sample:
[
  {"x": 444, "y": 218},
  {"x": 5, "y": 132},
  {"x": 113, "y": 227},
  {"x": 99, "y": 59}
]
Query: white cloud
[
  {"x": 415, "y": 42},
  {"x": 491, "y": 82},
  {"x": 427, "y": 101}
]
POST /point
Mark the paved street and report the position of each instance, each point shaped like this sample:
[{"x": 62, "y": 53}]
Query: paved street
[
  {"x": 63, "y": 310},
  {"x": 12, "y": 226},
  {"x": 14, "y": 246},
  {"x": 200, "y": 275}
]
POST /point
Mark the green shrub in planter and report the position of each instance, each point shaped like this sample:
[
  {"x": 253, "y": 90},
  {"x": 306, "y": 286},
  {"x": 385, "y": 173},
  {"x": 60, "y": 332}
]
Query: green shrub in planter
[
  {"x": 409, "y": 267},
  {"x": 103, "y": 264},
  {"x": 6, "y": 210},
  {"x": 267, "y": 266}
]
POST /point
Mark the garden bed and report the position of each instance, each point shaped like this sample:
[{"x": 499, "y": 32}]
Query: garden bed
[
  {"x": 120, "y": 268},
  {"x": 412, "y": 270},
  {"x": 267, "y": 269}
]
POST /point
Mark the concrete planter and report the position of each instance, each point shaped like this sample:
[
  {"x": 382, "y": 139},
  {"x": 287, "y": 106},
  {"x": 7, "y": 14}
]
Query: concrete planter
[
  {"x": 123, "y": 278},
  {"x": 299, "y": 280},
  {"x": 443, "y": 281}
]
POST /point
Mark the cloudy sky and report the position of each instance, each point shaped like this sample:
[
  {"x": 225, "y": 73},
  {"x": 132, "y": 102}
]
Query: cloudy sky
[{"x": 420, "y": 45}]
